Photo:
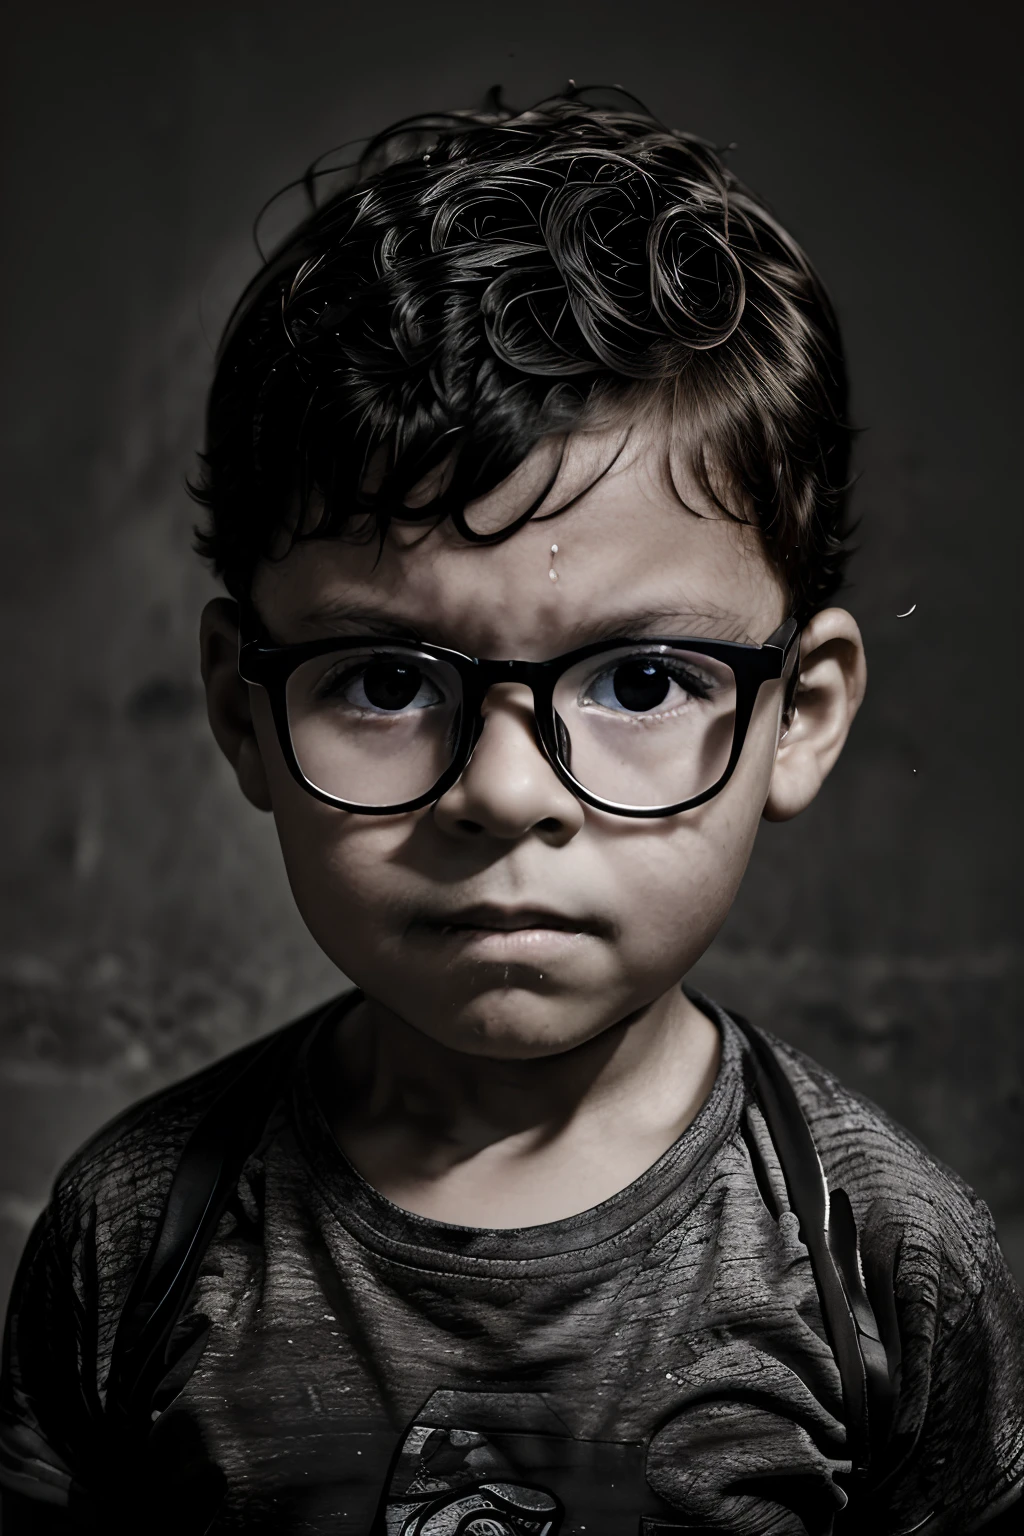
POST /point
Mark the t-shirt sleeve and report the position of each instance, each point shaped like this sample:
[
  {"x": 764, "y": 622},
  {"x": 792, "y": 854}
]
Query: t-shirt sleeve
[
  {"x": 956, "y": 1457},
  {"x": 44, "y": 1399}
]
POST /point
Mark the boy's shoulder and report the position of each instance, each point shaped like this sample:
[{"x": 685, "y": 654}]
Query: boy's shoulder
[
  {"x": 957, "y": 1439},
  {"x": 123, "y": 1171},
  {"x": 116, "y": 1183},
  {"x": 907, "y": 1202}
]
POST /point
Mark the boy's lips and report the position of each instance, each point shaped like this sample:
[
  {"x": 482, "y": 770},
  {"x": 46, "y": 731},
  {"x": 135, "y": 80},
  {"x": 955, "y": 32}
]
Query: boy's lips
[
  {"x": 505, "y": 934},
  {"x": 490, "y": 918}
]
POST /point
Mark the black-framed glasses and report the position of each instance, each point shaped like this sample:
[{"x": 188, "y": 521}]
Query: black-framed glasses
[{"x": 638, "y": 727}]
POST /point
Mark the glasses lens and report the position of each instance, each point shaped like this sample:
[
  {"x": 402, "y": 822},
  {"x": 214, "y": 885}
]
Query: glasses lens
[
  {"x": 375, "y": 727},
  {"x": 647, "y": 727}
]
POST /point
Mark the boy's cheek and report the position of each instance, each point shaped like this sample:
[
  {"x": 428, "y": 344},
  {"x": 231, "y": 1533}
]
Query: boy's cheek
[
  {"x": 345, "y": 872},
  {"x": 317, "y": 838},
  {"x": 674, "y": 900}
]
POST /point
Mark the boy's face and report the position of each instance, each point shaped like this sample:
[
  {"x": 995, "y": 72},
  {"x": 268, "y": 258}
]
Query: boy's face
[{"x": 566, "y": 919}]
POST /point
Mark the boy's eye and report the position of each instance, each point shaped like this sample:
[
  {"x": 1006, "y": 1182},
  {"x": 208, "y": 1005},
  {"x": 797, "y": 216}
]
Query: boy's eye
[
  {"x": 382, "y": 686},
  {"x": 643, "y": 684}
]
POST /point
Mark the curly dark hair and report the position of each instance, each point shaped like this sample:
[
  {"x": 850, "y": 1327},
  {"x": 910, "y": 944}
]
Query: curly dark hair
[{"x": 486, "y": 279}]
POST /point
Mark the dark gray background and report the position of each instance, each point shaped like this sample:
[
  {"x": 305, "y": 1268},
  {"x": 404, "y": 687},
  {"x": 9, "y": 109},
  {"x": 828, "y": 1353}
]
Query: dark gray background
[{"x": 146, "y": 924}]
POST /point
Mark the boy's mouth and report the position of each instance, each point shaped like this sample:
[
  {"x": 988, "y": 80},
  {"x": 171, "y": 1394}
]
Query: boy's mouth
[
  {"x": 502, "y": 935},
  {"x": 496, "y": 919}
]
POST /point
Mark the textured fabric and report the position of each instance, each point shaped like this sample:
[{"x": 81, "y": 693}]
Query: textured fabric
[{"x": 345, "y": 1366}]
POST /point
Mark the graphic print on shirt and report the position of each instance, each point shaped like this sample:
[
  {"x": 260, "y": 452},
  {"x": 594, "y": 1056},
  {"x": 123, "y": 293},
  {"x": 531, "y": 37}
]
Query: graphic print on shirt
[
  {"x": 505, "y": 1464},
  {"x": 451, "y": 1480}
]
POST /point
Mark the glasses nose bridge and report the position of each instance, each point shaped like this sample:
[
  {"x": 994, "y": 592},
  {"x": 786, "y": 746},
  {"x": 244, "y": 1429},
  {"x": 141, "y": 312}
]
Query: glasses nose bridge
[{"x": 488, "y": 674}]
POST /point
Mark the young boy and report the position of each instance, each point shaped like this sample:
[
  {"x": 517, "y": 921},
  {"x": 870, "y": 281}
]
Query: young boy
[{"x": 525, "y": 467}]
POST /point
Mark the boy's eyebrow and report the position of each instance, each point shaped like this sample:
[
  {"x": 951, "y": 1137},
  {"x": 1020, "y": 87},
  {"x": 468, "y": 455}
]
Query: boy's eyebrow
[
  {"x": 332, "y": 617},
  {"x": 708, "y": 623}
]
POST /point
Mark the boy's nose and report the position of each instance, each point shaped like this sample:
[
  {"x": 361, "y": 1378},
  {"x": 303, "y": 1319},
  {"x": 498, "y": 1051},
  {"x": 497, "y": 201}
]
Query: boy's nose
[{"x": 509, "y": 788}]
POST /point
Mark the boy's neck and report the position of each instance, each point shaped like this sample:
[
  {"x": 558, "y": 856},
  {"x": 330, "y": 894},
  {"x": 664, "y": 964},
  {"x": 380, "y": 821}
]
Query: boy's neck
[{"x": 483, "y": 1142}]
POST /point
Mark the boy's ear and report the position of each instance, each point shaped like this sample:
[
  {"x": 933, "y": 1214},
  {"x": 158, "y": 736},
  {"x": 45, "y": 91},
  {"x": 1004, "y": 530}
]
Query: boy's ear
[
  {"x": 227, "y": 699},
  {"x": 832, "y": 679}
]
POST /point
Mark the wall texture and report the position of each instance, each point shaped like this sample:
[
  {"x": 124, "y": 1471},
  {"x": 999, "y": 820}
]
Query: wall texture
[{"x": 146, "y": 924}]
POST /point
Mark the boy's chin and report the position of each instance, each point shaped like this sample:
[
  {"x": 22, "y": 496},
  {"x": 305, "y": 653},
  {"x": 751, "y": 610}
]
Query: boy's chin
[{"x": 513, "y": 1022}]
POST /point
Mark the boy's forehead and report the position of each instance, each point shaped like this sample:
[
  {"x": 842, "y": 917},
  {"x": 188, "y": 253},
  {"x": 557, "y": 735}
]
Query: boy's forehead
[{"x": 626, "y": 554}]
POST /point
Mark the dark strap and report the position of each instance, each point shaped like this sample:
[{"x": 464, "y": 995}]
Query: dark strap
[
  {"x": 829, "y": 1233},
  {"x": 206, "y": 1176}
]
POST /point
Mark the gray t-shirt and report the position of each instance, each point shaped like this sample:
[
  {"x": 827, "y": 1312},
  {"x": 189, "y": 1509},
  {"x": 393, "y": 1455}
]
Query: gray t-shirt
[{"x": 656, "y": 1363}]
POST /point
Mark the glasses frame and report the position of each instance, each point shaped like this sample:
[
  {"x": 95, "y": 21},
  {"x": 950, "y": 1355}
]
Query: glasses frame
[{"x": 269, "y": 666}]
